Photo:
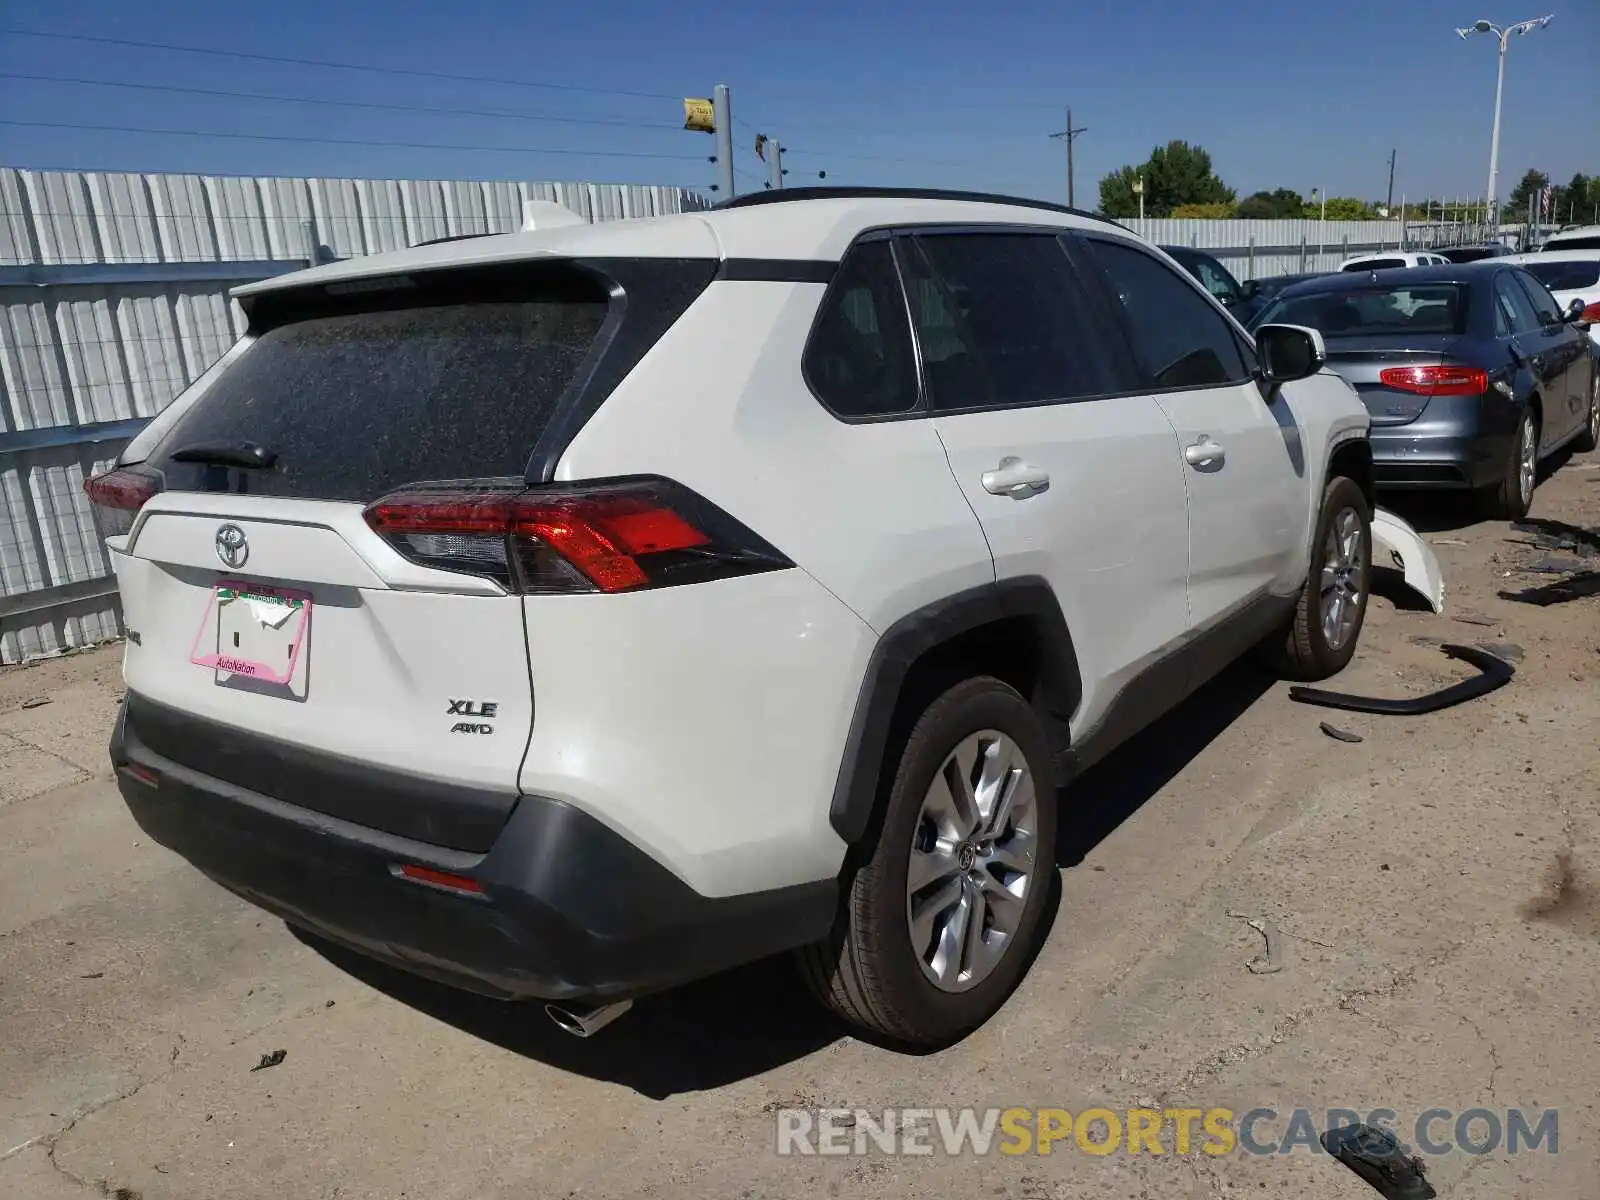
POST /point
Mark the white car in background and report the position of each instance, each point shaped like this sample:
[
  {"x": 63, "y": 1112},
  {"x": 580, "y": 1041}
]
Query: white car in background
[
  {"x": 1584, "y": 237},
  {"x": 1394, "y": 260},
  {"x": 1570, "y": 275}
]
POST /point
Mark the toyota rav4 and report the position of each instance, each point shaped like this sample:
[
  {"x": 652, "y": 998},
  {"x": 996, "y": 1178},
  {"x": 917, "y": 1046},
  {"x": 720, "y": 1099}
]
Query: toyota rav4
[{"x": 573, "y": 613}]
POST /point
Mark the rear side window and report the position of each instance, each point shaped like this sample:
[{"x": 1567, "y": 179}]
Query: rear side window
[
  {"x": 1514, "y": 312},
  {"x": 1544, "y": 304},
  {"x": 1565, "y": 276},
  {"x": 357, "y": 403},
  {"x": 859, "y": 361},
  {"x": 1001, "y": 322},
  {"x": 1181, "y": 341}
]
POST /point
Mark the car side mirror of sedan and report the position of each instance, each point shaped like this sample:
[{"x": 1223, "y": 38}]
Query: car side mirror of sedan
[
  {"x": 1574, "y": 311},
  {"x": 1249, "y": 288},
  {"x": 1289, "y": 352}
]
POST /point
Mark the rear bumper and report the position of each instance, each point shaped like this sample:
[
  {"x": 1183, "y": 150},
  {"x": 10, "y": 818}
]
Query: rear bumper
[
  {"x": 1457, "y": 442},
  {"x": 570, "y": 909}
]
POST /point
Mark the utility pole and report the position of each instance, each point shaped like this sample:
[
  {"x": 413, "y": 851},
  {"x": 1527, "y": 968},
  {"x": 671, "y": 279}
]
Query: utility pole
[
  {"x": 722, "y": 108},
  {"x": 776, "y": 163},
  {"x": 1070, "y": 135},
  {"x": 1388, "y": 203}
]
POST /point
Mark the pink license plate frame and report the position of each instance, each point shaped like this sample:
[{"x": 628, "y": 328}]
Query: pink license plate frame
[{"x": 251, "y": 668}]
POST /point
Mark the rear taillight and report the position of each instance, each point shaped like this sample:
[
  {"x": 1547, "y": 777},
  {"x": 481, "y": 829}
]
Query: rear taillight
[
  {"x": 115, "y": 497},
  {"x": 1436, "y": 381},
  {"x": 606, "y": 537}
]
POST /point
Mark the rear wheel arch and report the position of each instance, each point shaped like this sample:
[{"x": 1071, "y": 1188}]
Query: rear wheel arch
[{"x": 1013, "y": 630}]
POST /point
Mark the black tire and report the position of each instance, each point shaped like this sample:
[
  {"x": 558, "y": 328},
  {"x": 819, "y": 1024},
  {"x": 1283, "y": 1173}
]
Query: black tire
[
  {"x": 1589, "y": 439},
  {"x": 868, "y": 971},
  {"x": 1506, "y": 500},
  {"x": 1302, "y": 650}
]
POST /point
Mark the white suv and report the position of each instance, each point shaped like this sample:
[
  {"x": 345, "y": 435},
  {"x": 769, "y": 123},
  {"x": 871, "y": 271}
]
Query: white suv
[{"x": 572, "y": 613}]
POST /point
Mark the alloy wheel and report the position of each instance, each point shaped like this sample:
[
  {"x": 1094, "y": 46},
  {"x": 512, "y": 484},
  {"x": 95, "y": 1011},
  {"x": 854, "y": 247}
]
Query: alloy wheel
[
  {"x": 1344, "y": 559},
  {"x": 973, "y": 858},
  {"x": 1527, "y": 459}
]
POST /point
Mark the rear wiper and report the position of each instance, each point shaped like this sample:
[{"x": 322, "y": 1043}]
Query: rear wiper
[{"x": 226, "y": 454}]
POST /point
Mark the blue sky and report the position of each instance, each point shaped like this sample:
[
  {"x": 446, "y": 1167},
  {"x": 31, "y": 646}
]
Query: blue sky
[{"x": 936, "y": 94}]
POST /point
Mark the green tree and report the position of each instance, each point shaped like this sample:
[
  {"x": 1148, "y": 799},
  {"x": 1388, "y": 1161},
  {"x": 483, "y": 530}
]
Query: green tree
[
  {"x": 1525, "y": 194},
  {"x": 1174, "y": 174},
  {"x": 1221, "y": 211},
  {"x": 1576, "y": 201},
  {"x": 1272, "y": 205},
  {"x": 1342, "y": 208}
]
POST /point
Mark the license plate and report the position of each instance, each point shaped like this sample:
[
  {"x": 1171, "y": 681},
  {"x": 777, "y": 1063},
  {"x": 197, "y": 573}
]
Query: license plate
[{"x": 256, "y": 639}]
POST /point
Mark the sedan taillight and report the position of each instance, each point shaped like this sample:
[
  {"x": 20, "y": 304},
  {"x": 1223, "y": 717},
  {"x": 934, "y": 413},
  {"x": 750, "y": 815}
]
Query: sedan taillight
[
  {"x": 604, "y": 537},
  {"x": 115, "y": 498},
  {"x": 1436, "y": 381}
]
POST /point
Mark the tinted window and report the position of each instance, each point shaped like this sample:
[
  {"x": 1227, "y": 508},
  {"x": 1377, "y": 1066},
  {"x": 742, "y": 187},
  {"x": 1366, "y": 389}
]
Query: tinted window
[
  {"x": 1375, "y": 264},
  {"x": 1514, "y": 312},
  {"x": 1565, "y": 276},
  {"x": 1000, "y": 321},
  {"x": 1376, "y": 311},
  {"x": 359, "y": 403},
  {"x": 859, "y": 360},
  {"x": 1181, "y": 340},
  {"x": 1543, "y": 302},
  {"x": 1214, "y": 278},
  {"x": 1573, "y": 243}
]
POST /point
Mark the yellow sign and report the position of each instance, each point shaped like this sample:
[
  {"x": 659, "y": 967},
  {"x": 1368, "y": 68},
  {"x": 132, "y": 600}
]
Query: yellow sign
[{"x": 699, "y": 116}]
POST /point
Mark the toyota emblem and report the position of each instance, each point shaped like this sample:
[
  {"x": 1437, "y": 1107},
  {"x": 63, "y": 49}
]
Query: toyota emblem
[{"x": 232, "y": 548}]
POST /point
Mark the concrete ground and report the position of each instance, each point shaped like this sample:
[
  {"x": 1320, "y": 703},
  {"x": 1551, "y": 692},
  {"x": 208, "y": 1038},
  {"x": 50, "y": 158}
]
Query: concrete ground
[{"x": 1436, "y": 888}]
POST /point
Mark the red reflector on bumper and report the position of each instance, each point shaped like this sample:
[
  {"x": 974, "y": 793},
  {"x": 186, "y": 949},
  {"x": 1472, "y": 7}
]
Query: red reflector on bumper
[
  {"x": 143, "y": 774},
  {"x": 438, "y": 879}
]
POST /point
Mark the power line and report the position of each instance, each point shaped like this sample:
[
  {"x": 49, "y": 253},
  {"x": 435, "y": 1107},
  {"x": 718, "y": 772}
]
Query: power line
[
  {"x": 416, "y": 108},
  {"x": 341, "y": 66},
  {"x": 282, "y": 137}
]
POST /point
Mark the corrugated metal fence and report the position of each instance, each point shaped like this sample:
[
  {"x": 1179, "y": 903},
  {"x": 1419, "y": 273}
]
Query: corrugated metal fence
[
  {"x": 1256, "y": 249},
  {"x": 114, "y": 295}
]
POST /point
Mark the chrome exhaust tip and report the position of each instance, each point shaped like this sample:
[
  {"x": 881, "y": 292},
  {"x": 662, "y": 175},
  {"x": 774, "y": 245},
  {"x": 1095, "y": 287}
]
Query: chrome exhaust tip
[{"x": 586, "y": 1020}]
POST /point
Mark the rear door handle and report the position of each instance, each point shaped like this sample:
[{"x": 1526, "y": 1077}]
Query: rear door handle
[
  {"x": 1205, "y": 454},
  {"x": 1016, "y": 479}
]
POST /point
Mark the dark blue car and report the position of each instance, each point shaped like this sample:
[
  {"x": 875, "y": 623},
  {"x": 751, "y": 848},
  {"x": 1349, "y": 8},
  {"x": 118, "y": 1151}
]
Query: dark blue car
[{"x": 1472, "y": 373}]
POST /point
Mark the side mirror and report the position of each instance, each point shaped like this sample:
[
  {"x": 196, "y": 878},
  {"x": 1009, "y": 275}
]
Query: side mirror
[
  {"x": 1574, "y": 311},
  {"x": 1249, "y": 288},
  {"x": 1289, "y": 352}
]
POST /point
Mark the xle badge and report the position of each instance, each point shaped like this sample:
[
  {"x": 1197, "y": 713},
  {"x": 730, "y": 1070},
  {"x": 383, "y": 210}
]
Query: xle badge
[{"x": 472, "y": 708}]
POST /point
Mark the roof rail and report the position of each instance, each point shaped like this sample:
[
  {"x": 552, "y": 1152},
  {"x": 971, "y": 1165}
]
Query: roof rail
[{"x": 796, "y": 194}]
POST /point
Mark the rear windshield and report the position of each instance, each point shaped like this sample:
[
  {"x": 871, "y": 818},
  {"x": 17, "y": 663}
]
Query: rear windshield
[
  {"x": 1565, "y": 276},
  {"x": 1586, "y": 242},
  {"x": 1375, "y": 264},
  {"x": 1375, "y": 311},
  {"x": 357, "y": 403},
  {"x": 1466, "y": 254}
]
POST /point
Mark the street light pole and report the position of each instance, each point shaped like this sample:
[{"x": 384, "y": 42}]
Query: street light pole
[{"x": 1504, "y": 36}]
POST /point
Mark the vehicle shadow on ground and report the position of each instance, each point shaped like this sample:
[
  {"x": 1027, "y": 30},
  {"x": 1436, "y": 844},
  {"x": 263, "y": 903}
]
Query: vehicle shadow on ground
[
  {"x": 741, "y": 1023},
  {"x": 1110, "y": 792},
  {"x": 700, "y": 1036},
  {"x": 1447, "y": 511}
]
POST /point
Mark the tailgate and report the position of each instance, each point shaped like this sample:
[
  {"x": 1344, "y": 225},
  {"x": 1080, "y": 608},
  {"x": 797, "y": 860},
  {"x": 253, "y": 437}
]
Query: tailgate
[{"x": 325, "y": 670}]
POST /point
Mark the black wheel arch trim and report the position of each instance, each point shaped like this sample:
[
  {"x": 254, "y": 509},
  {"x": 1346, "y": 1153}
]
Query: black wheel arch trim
[{"x": 856, "y": 790}]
